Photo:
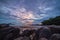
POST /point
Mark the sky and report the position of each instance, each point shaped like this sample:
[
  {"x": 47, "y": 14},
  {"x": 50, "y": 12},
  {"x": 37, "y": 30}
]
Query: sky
[{"x": 22, "y": 12}]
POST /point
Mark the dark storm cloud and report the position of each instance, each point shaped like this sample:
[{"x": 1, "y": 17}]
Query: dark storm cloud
[
  {"x": 40, "y": 9},
  {"x": 2, "y": 1},
  {"x": 33, "y": 4}
]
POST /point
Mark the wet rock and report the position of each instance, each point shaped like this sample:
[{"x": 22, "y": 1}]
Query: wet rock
[
  {"x": 55, "y": 37},
  {"x": 8, "y": 33}
]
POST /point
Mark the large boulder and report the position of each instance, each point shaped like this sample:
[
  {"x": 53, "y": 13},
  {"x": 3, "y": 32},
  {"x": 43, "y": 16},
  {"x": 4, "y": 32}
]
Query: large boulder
[
  {"x": 43, "y": 32},
  {"x": 8, "y": 33},
  {"x": 55, "y": 37}
]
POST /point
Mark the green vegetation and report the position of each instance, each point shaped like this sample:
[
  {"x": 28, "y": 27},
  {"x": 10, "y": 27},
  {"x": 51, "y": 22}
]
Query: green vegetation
[{"x": 52, "y": 21}]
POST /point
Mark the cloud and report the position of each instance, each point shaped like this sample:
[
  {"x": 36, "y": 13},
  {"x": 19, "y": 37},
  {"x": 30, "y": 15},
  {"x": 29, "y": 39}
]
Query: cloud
[
  {"x": 21, "y": 14},
  {"x": 24, "y": 16},
  {"x": 4, "y": 9},
  {"x": 27, "y": 11},
  {"x": 44, "y": 9}
]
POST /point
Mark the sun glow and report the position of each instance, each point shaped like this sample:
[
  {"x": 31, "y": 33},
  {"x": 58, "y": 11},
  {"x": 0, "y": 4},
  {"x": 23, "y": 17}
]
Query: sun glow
[{"x": 23, "y": 15}]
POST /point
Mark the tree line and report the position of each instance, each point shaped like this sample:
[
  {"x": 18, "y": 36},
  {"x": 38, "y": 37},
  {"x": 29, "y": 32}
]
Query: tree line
[{"x": 52, "y": 21}]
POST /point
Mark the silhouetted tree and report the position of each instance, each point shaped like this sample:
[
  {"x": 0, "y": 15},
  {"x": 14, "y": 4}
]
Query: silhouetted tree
[{"x": 52, "y": 21}]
